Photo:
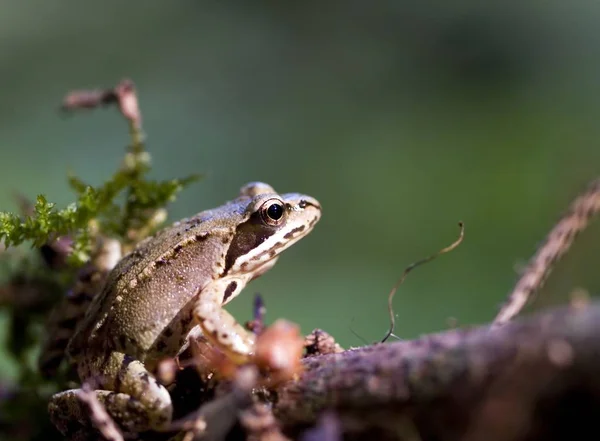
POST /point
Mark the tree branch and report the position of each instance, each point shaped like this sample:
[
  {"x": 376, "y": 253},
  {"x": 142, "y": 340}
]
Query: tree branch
[{"x": 534, "y": 378}]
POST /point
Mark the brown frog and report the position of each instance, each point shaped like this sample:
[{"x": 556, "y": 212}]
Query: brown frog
[{"x": 170, "y": 284}]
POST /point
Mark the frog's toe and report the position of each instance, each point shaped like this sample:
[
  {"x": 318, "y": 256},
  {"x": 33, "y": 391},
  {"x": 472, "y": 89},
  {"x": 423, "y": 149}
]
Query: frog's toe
[
  {"x": 66, "y": 413},
  {"x": 71, "y": 417},
  {"x": 132, "y": 414}
]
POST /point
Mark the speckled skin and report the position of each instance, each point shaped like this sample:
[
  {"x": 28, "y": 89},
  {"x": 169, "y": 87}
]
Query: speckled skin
[{"x": 157, "y": 294}]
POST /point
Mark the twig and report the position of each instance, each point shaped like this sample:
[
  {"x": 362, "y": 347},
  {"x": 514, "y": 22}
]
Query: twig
[
  {"x": 98, "y": 414},
  {"x": 409, "y": 269},
  {"x": 214, "y": 419},
  {"x": 123, "y": 95},
  {"x": 557, "y": 243},
  {"x": 257, "y": 324}
]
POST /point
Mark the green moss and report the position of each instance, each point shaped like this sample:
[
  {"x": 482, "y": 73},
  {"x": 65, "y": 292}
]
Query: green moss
[{"x": 97, "y": 209}]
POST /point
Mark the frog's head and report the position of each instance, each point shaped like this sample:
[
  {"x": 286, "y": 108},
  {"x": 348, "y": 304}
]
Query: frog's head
[{"x": 271, "y": 223}]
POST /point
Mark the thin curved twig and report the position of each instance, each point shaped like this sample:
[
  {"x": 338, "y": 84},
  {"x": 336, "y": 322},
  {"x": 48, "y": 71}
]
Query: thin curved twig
[{"x": 409, "y": 269}]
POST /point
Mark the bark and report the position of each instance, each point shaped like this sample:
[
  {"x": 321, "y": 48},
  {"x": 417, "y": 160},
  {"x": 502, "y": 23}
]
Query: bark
[{"x": 532, "y": 379}]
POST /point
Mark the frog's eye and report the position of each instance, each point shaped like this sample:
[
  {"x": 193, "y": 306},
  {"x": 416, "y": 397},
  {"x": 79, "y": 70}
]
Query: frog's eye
[{"x": 272, "y": 211}]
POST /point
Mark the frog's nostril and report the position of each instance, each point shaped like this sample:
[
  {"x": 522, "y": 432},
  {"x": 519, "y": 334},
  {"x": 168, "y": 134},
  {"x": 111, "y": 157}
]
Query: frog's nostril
[{"x": 304, "y": 203}]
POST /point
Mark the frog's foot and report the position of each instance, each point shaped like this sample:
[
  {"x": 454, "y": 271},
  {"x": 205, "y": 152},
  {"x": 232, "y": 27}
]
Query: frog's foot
[
  {"x": 67, "y": 414},
  {"x": 218, "y": 326},
  {"x": 137, "y": 404}
]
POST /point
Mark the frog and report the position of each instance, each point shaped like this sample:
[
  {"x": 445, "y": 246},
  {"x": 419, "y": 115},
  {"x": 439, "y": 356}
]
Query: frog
[{"x": 171, "y": 286}]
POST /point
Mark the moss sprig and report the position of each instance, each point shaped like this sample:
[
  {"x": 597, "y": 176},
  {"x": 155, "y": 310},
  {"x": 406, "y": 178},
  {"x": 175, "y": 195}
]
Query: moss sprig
[{"x": 125, "y": 206}]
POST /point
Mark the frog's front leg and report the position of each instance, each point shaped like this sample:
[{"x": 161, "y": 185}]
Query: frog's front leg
[
  {"x": 218, "y": 326},
  {"x": 130, "y": 394}
]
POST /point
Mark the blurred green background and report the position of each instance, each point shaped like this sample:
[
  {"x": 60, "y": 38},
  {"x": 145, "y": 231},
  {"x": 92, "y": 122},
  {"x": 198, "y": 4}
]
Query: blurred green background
[{"x": 402, "y": 118}]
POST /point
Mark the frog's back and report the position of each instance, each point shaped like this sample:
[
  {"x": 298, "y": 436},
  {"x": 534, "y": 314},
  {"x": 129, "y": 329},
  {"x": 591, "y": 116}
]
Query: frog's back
[{"x": 145, "y": 305}]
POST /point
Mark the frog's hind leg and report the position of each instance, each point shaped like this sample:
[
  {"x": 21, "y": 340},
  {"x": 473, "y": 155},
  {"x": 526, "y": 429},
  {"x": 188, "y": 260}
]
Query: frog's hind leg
[
  {"x": 61, "y": 326},
  {"x": 69, "y": 312},
  {"x": 132, "y": 397}
]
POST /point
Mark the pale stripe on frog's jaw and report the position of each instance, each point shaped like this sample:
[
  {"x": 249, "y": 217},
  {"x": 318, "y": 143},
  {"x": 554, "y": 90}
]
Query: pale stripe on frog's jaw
[{"x": 302, "y": 213}]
